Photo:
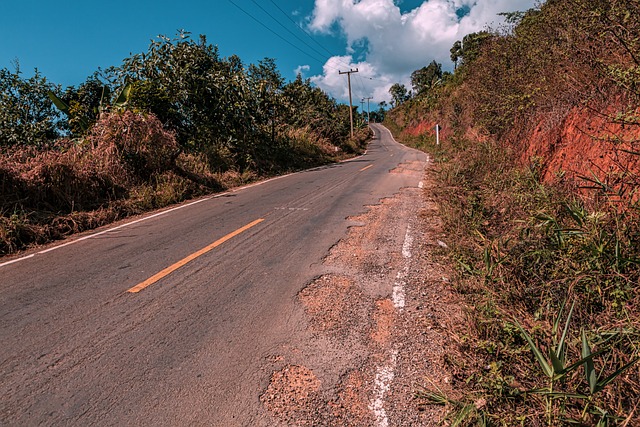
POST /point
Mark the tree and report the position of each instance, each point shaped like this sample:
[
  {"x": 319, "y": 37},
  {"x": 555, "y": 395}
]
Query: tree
[
  {"x": 456, "y": 53},
  {"x": 266, "y": 84},
  {"x": 425, "y": 78},
  {"x": 466, "y": 51},
  {"x": 398, "y": 94},
  {"x": 27, "y": 115},
  {"x": 205, "y": 98},
  {"x": 377, "y": 116},
  {"x": 85, "y": 103}
]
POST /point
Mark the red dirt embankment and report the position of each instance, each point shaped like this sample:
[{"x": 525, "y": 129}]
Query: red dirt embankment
[
  {"x": 587, "y": 144},
  {"x": 585, "y": 147},
  {"x": 427, "y": 126},
  {"x": 420, "y": 128}
]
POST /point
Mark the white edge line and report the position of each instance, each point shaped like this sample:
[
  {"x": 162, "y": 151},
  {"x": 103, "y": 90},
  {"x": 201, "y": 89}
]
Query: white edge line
[
  {"x": 382, "y": 384},
  {"x": 385, "y": 374},
  {"x": 215, "y": 196},
  {"x": 16, "y": 260}
]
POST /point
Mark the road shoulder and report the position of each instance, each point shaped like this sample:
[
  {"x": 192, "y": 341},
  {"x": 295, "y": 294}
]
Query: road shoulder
[{"x": 386, "y": 296}]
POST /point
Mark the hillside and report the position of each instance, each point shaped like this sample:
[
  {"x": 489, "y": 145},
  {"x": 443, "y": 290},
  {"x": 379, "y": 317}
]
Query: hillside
[{"x": 538, "y": 172}]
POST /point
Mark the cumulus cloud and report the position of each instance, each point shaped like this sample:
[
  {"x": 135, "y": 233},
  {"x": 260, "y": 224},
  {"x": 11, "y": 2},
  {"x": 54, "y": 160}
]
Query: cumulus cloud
[{"x": 396, "y": 43}]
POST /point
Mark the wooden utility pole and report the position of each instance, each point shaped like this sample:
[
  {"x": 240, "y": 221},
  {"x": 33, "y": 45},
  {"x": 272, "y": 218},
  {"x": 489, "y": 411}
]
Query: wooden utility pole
[
  {"x": 369, "y": 98},
  {"x": 348, "y": 73}
]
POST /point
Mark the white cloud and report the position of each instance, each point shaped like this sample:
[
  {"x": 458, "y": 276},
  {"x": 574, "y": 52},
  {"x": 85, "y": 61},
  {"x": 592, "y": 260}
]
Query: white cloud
[
  {"x": 397, "y": 43},
  {"x": 302, "y": 70}
]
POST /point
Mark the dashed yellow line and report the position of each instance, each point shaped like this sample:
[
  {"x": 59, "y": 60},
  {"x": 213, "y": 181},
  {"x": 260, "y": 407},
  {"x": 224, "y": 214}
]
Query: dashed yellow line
[
  {"x": 164, "y": 273},
  {"x": 365, "y": 168}
]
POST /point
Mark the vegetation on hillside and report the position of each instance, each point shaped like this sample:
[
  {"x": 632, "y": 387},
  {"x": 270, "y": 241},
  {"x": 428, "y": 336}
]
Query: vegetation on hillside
[
  {"x": 550, "y": 268},
  {"x": 171, "y": 123}
]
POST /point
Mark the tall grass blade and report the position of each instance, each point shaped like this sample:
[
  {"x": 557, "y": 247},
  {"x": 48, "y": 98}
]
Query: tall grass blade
[
  {"x": 560, "y": 350},
  {"x": 578, "y": 217},
  {"x": 556, "y": 323},
  {"x": 602, "y": 384},
  {"x": 589, "y": 369},
  {"x": 546, "y": 368},
  {"x": 434, "y": 398},
  {"x": 581, "y": 362},
  {"x": 462, "y": 415},
  {"x": 556, "y": 363}
]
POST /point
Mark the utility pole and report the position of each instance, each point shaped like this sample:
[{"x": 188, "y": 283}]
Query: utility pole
[
  {"x": 348, "y": 73},
  {"x": 368, "y": 109},
  {"x": 362, "y": 108}
]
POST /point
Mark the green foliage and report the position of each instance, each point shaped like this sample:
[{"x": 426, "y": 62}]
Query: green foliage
[
  {"x": 237, "y": 116},
  {"x": 306, "y": 105},
  {"x": 398, "y": 94},
  {"x": 174, "y": 121},
  {"x": 466, "y": 51},
  {"x": 556, "y": 370},
  {"x": 27, "y": 115},
  {"x": 564, "y": 54},
  {"x": 199, "y": 95},
  {"x": 521, "y": 246},
  {"x": 424, "y": 79},
  {"x": 85, "y": 104},
  {"x": 527, "y": 247}
]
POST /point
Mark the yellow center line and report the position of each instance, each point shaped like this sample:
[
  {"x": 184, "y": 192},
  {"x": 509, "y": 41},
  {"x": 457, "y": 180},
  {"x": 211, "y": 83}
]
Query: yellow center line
[
  {"x": 150, "y": 281},
  {"x": 365, "y": 168}
]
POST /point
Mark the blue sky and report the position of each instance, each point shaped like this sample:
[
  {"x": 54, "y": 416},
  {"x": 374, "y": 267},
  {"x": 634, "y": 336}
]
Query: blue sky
[{"x": 67, "y": 40}]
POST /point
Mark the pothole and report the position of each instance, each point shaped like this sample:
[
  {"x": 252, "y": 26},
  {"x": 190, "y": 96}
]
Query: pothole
[
  {"x": 329, "y": 303},
  {"x": 291, "y": 395}
]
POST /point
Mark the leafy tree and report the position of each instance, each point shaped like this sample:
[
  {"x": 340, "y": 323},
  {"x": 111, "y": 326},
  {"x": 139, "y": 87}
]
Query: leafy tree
[
  {"x": 203, "y": 97},
  {"x": 398, "y": 94},
  {"x": 266, "y": 84},
  {"x": 377, "y": 116},
  {"x": 456, "y": 53},
  {"x": 425, "y": 78},
  {"x": 306, "y": 105},
  {"x": 85, "y": 103},
  {"x": 466, "y": 51},
  {"x": 27, "y": 115}
]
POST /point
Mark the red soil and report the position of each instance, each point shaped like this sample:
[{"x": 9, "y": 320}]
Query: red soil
[{"x": 588, "y": 145}]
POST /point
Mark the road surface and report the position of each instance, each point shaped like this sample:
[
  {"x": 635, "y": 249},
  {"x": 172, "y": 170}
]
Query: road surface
[{"x": 172, "y": 319}]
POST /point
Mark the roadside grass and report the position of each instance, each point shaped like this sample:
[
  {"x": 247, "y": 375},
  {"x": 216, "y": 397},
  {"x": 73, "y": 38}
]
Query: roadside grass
[
  {"x": 127, "y": 165},
  {"x": 550, "y": 277}
]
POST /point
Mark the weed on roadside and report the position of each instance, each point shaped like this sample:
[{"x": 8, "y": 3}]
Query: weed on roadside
[{"x": 522, "y": 250}]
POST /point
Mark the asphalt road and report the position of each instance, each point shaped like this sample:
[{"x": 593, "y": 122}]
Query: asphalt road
[{"x": 217, "y": 282}]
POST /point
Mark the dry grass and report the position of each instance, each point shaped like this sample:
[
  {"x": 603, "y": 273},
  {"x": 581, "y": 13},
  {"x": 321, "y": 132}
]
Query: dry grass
[
  {"x": 127, "y": 164},
  {"x": 524, "y": 250},
  {"x": 553, "y": 105}
]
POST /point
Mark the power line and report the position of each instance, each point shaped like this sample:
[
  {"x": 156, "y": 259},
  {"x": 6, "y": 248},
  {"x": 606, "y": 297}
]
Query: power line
[
  {"x": 331, "y": 54},
  {"x": 275, "y": 33},
  {"x": 288, "y": 30},
  {"x": 323, "y": 60},
  {"x": 364, "y": 90}
]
